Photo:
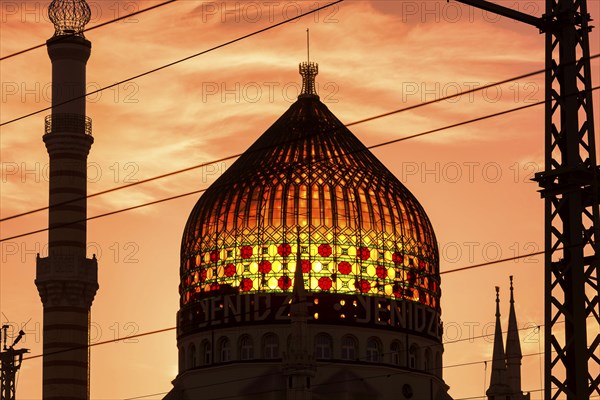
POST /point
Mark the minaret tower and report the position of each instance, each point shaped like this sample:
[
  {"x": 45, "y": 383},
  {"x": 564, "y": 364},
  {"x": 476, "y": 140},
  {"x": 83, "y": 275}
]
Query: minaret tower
[
  {"x": 66, "y": 280},
  {"x": 299, "y": 364},
  {"x": 499, "y": 388}
]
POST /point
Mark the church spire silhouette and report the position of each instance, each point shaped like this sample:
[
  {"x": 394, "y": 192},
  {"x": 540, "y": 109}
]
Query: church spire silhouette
[
  {"x": 506, "y": 367},
  {"x": 498, "y": 381},
  {"x": 513, "y": 351}
]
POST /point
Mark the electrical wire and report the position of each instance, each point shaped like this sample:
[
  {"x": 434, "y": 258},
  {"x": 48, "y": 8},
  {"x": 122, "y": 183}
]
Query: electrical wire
[
  {"x": 91, "y": 28},
  {"x": 271, "y": 374},
  {"x": 148, "y": 333},
  {"x": 350, "y": 124},
  {"x": 384, "y": 375},
  {"x": 239, "y": 154},
  {"x": 386, "y": 143},
  {"x": 164, "y": 66}
]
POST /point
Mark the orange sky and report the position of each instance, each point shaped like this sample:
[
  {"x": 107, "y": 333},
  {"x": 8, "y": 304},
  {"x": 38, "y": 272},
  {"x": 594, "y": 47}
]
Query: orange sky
[{"x": 373, "y": 57}]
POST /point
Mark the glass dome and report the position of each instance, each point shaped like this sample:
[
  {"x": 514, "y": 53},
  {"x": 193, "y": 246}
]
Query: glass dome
[{"x": 361, "y": 232}]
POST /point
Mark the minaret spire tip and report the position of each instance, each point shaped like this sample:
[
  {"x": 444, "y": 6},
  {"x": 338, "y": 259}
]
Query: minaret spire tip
[{"x": 69, "y": 17}]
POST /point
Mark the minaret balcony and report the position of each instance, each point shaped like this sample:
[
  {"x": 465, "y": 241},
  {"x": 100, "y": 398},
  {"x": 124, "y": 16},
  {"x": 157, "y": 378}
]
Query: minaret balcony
[{"x": 68, "y": 123}]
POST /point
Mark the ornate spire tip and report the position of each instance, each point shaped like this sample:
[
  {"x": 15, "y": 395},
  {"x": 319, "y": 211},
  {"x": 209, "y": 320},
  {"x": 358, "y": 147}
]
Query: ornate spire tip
[
  {"x": 512, "y": 298},
  {"x": 497, "y": 301},
  {"x": 309, "y": 71},
  {"x": 69, "y": 17}
]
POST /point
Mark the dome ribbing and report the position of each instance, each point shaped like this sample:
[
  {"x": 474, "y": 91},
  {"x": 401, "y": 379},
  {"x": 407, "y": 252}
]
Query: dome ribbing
[{"x": 361, "y": 231}]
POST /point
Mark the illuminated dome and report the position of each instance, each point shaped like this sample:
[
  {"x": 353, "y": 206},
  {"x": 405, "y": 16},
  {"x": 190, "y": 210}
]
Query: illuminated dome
[{"x": 361, "y": 232}]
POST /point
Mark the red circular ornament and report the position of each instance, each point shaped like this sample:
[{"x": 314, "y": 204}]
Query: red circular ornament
[
  {"x": 381, "y": 272},
  {"x": 214, "y": 287},
  {"x": 264, "y": 267},
  {"x": 284, "y": 282},
  {"x": 202, "y": 275},
  {"x": 344, "y": 267},
  {"x": 325, "y": 283},
  {"x": 324, "y": 250},
  {"x": 246, "y": 252},
  {"x": 397, "y": 290},
  {"x": 363, "y": 253},
  {"x": 229, "y": 270},
  {"x": 398, "y": 258},
  {"x": 306, "y": 266},
  {"x": 364, "y": 285},
  {"x": 246, "y": 284},
  {"x": 215, "y": 256},
  {"x": 284, "y": 249},
  {"x": 421, "y": 264}
]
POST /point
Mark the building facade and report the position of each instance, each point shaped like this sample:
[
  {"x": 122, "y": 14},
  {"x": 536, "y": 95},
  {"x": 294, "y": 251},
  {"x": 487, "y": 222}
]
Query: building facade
[{"x": 308, "y": 271}]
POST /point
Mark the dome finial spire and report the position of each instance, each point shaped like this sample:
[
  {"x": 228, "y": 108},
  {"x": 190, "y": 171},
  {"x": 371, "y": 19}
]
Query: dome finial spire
[
  {"x": 69, "y": 16},
  {"x": 309, "y": 71},
  {"x": 307, "y": 45}
]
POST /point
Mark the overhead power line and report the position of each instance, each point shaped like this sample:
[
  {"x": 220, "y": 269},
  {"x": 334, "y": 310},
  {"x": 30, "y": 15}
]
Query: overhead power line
[
  {"x": 203, "y": 190},
  {"x": 238, "y": 39},
  {"x": 93, "y": 27},
  {"x": 149, "y": 333},
  {"x": 377, "y": 376},
  {"x": 204, "y": 164},
  {"x": 321, "y": 363}
]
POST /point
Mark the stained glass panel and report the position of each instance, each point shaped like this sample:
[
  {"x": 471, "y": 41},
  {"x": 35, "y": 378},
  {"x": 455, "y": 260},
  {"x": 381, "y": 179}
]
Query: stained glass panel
[{"x": 361, "y": 231}]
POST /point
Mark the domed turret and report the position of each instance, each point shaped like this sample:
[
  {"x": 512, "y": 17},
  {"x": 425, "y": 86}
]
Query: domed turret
[
  {"x": 69, "y": 16},
  {"x": 308, "y": 193},
  {"x": 361, "y": 231}
]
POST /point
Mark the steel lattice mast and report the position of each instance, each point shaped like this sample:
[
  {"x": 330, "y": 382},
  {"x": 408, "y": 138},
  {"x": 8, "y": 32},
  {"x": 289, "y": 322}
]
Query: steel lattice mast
[{"x": 570, "y": 190}]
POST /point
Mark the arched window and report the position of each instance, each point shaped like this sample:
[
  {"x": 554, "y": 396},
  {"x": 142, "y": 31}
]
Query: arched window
[
  {"x": 349, "y": 348},
  {"x": 224, "y": 349},
  {"x": 428, "y": 362},
  {"x": 206, "y": 349},
  {"x": 192, "y": 362},
  {"x": 246, "y": 348},
  {"x": 323, "y": 345},
  {"x": 373, "y": 350},
  {"x": 396, "y": 353},
  {"x": 270, "y": 346},
  {"x": 413, "y": 357}
]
